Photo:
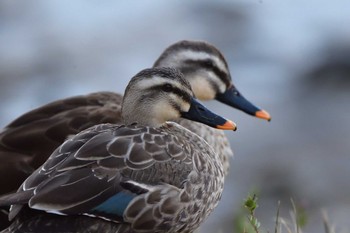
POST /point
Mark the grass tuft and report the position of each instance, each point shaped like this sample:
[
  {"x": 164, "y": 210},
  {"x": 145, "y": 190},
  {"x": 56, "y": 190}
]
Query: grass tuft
[{"x": 249, "y": 223}]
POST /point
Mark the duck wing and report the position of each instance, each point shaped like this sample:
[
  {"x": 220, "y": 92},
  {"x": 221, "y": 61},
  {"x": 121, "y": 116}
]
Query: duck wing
[
  {"x": 120, "y": 173},
  {"x": 28, "y": 141}
]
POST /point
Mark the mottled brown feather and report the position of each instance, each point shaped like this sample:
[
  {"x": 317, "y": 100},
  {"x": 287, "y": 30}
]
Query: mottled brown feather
[
  {"x": 27, "y": 142},
  {"x": 76, "y": 187}
]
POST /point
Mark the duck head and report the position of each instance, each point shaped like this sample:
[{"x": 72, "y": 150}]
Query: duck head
[
  {"x": 156, "y": 95},
  {"x": 204, "y": 66}
]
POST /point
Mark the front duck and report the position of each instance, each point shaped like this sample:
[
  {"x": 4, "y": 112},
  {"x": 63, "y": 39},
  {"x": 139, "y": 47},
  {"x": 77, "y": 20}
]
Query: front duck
[{"x": 149, "y": 176}]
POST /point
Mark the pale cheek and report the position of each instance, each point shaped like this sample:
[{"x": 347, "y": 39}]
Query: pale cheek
[
  {"x": 202, "y": 89},
  {"x": 165, "y": 112},
  {"x": 185, "y": 107}
]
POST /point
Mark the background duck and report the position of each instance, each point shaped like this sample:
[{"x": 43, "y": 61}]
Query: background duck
[
  {"x": 152, "y": 176},
  {"x": 205, "y": 67},
  {"x": 28, "y": 141}
]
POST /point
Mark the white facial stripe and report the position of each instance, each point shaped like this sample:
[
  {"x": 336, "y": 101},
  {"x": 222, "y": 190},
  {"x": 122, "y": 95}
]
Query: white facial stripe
[
  {"x": 156, "y": 81},
  {"x": 195, "y": 55},
  {"x": 184, "y": 106},
  {"x": 174, "y": 60}
]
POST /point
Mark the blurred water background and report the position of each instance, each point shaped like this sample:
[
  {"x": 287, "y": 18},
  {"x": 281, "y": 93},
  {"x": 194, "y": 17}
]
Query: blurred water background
[{"x": 290, "y": 57}]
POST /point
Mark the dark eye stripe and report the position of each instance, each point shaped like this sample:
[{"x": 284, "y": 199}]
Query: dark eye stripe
[
  {"x": 184, "y": 95},
  {"x": 222, "y": 75},
  {"x": 177, "y": 91},
  {"x": 196, "y": 64}
]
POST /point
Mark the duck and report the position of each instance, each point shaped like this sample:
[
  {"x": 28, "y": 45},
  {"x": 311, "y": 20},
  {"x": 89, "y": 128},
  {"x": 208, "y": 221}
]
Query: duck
[
  {"x": 207, "y": 70},
  {"x": 26, "y": 142},
  {"x": 148, "y": 174}
]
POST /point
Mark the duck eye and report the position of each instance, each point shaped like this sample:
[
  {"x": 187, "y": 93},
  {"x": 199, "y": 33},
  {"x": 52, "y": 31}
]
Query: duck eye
[
  {"x": 209, "y": 63},
  {"x": 167, "y": 87}
]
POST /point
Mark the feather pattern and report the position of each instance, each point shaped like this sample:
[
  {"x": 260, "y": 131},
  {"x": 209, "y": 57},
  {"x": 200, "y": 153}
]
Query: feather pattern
[
  {"x": 41, "y": 222},
  {"x": 217, "y": 139},
  {"x": 179, "y": 179},
  {"x": 156, "y": 178},
  {"x": 26, "y": 143}
]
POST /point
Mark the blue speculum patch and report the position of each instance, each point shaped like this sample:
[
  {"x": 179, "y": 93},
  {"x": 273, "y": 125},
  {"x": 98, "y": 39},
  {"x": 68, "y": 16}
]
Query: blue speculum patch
[{"x": 115, "y": 204}]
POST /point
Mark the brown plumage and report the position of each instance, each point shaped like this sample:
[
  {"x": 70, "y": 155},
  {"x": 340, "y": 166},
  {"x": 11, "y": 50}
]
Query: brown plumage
[
  {"x": 150, "y": 176},
  {"x": 26, "y": 143}
]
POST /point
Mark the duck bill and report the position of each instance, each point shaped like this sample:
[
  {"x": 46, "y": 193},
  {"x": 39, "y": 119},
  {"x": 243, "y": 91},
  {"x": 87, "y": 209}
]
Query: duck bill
[
  {"x": 199, "y": 113},
  {"x": 233, "y": 98}
]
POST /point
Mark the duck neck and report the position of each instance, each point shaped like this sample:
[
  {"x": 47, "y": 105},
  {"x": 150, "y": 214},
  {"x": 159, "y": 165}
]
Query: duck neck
[{"x": 141, "y": 116}]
